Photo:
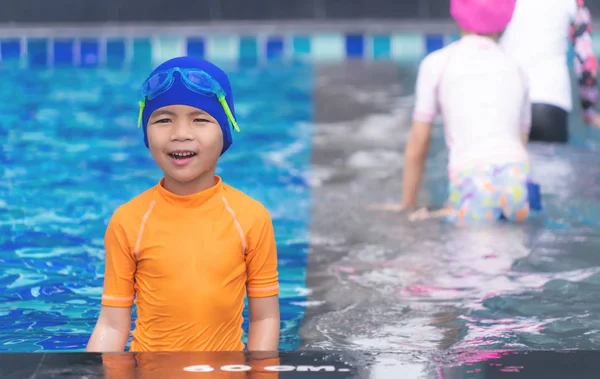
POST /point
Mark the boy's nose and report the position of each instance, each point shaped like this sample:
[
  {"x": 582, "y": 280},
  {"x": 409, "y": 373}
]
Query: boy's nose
[{"x": 181, "y": 132}]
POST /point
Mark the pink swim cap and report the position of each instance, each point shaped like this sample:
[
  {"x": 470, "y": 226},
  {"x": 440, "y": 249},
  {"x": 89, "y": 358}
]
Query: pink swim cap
[{"x": 482, "y": 16}]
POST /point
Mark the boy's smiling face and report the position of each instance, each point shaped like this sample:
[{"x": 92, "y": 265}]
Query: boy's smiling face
[{"x": 186, "y": 143}]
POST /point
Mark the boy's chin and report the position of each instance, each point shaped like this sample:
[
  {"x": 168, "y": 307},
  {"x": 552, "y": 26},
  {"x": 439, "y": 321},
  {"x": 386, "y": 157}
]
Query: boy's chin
[{"x": 184, "y": 178}]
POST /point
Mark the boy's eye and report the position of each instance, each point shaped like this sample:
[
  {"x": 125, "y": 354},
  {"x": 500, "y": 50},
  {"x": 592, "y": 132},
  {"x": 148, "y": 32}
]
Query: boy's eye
[
  {"x": 201, "y": 120},
  {"x": 162, "y": 121}
]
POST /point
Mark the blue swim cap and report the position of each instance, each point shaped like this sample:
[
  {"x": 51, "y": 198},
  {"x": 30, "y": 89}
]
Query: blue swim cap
[{"x": 179, "y": 94}]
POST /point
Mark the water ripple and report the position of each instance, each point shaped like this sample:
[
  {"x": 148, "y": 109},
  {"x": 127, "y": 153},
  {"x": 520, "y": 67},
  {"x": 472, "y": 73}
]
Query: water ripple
[{"x": 71, "y": 154}]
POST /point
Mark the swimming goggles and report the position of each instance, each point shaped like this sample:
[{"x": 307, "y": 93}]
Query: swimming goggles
[{"x": 195, "y": 80}]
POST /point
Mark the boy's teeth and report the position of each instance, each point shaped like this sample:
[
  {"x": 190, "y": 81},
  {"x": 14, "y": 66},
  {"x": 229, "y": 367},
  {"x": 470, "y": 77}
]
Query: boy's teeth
[{"x": 185, "y": 154}]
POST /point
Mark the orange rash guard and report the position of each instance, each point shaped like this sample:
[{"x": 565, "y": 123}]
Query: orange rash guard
[{"x": 189, "y": 261}]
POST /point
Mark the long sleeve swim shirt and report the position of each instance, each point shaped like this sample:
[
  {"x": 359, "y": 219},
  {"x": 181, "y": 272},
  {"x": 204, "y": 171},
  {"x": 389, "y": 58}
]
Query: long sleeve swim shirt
[{"x": 188, "y": 262}]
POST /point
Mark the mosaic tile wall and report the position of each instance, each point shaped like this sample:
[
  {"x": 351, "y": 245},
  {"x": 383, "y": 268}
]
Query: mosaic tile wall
[{"x": 116, "y": 51}]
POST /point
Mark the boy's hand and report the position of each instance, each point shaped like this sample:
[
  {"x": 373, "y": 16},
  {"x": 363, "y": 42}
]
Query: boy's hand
[
  {"x": 424, "y": 213},
  {"x": 421, "y": 214},
  {"x": 390, "y": 207}
]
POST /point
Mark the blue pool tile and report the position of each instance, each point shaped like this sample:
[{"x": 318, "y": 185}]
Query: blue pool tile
[
  {"x": 196, "y": 47},
  {"x": 275, "y": 47},
  {"x": 37, "y": 52},
  {"x": 328, "y": 47},
  {"x": 142, "y": 52},
  {"x": 10, "y": 49},
  {"x": 382, "y": 47},
  {"x": 355, "y": 46},
  {"x": 89, "y": 53},
  {"x": 115, "y": 52},
  {"x": 301, "y": 46},
  {"x": 63, "y": 52},
  {"x": 433, "y": 42},
  {"x": 451, "y": 38},
  {"x": 248, "y": 50}
]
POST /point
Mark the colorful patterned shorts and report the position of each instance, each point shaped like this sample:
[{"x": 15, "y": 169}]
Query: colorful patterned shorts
[{"x": 485, "y": 194}]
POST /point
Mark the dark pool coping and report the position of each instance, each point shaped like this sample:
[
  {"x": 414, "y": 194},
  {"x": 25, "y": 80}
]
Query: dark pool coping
[
  {"x": 303, "y": 364},
  {"x": 184, "y": 28},
  {"x": 369, "y": 26}
]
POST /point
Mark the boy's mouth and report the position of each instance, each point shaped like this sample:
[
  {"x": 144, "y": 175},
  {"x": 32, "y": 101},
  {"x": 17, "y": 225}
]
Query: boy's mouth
[{"x": 181, "y": 154}]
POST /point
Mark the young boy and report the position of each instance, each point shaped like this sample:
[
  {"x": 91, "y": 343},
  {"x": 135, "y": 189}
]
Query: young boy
[
  {"x": 483, "y": 96},
  {"x": 188, "y": 249}
]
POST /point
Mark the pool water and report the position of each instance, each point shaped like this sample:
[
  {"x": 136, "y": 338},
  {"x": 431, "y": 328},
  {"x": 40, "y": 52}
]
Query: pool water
[
  {"x": 387, "y": 284},
  {"x": 318, "y": 144},
  {"x": 71, "y": 154}
]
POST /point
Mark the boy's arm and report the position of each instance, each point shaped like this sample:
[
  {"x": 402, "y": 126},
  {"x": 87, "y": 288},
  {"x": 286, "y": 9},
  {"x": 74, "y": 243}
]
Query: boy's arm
[
  {"x": 263, "y": 334},
  {"x": 114, "y": 324},
  {"x": 417, "y": 147},
  {"x": 263, "y": 286},
  {"x": 415, "y": 156},
  {"x": 111, "y": 331},
  {"x": 415, "y": 152}
]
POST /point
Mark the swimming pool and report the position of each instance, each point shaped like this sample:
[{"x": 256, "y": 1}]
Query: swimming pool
[
  {"x": 316, "y": 150},
  {"x": 71, "y": 153}
]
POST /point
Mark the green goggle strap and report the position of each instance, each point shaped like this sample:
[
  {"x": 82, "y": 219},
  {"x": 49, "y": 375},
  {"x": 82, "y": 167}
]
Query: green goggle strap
[
  {"x": 142, "y": 105},
  {"x": 228, "y": 113}
]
